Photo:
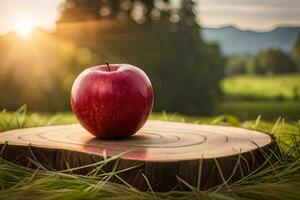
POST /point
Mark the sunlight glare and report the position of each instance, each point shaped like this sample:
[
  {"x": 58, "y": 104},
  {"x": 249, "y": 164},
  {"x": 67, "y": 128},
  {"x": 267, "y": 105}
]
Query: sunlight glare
[{"x": 24, "y": 27}]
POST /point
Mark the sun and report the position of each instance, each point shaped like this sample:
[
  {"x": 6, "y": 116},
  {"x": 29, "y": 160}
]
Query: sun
[{"x": 24, "y": 27}]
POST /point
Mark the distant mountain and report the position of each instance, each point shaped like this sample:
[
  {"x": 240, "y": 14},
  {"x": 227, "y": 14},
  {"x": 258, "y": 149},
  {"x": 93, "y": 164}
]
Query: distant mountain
[{"x": 238, "y": 42}]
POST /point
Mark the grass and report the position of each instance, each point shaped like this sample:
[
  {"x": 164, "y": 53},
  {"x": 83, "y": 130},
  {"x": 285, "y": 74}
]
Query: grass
[
  {"x": 289, "y": 110},
  {"x": 270, "y": 96},
  {"x": 280, "y": 181},
  {"x": 279, "y": 87}
]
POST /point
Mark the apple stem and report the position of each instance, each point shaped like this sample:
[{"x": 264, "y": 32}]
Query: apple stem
[{"x": 108, "y": 66}]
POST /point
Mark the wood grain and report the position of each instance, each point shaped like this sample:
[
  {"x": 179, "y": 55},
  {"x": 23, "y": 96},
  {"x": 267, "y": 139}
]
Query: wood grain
[{"x": 162, "y": 150}]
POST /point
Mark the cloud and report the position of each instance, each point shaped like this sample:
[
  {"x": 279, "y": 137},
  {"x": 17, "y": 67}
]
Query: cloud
[{"x": 249, "y": 14}]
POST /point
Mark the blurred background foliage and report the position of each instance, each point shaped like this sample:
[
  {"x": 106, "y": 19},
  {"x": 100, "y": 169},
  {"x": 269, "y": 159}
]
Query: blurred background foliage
[
  {"x": 158, "y": 36},
  {"x": 190, "y": 75},
  {"x": 266, "y": 62}
]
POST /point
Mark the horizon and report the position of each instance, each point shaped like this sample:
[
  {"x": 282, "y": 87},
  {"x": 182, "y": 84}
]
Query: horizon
[
  {"x": 202, "y": 27},
  {"x": 253, "y": 30}
]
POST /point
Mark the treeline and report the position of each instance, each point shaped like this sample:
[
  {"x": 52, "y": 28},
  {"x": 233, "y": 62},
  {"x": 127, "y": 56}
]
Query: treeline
[
  {"x": 160, "y": 37},
  {"x": 269, "y": 61}
]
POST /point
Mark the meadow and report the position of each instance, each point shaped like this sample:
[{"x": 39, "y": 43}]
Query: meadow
[
  {"x": 269, "y": 96},
  {"x": 272, "y": 87},
  {"x": 278, "y": 181}
]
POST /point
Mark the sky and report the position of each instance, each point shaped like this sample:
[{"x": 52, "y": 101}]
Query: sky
[{"x": 259, "y": 15}]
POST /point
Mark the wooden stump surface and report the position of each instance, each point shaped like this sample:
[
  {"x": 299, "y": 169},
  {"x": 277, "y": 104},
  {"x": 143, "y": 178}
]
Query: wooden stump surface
[{"x": 167, "y": 150}]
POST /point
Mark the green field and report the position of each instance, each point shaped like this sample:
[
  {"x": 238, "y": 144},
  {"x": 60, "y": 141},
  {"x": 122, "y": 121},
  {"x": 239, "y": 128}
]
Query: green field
[
  {"x": 269, "y": 96},
  {"x": 279, "y": 181},
  {"x": 262, "y": 87}
]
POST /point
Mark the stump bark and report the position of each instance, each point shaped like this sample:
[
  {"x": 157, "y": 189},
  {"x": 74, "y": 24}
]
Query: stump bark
[{"x": 168, "y": 154}]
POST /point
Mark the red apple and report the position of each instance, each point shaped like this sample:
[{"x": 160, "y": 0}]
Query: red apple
[{"x": 113, "y": 100}]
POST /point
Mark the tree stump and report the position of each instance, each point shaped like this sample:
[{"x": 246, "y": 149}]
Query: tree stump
[{"x": 168, "y": 154}]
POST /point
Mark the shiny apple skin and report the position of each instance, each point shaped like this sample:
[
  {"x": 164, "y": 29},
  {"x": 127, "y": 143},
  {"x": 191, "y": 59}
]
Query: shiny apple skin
[{"x": 112, "y": 104}]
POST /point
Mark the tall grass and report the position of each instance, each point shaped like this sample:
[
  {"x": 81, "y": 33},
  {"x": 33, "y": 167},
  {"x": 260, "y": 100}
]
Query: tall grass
[{"x": 279, "y": 181}]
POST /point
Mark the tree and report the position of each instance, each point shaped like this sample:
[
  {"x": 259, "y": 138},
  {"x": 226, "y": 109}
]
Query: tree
[
  {"x": 273, "y": 61},
  {"x": 237, "y": 65},
  {"x": 159, "y": 36},
  {"x": 296, "y": 52}
]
